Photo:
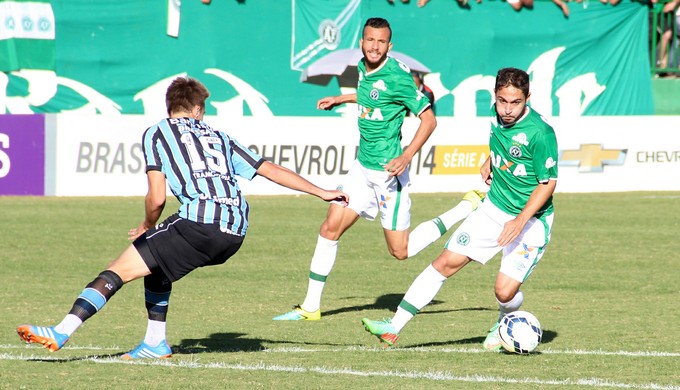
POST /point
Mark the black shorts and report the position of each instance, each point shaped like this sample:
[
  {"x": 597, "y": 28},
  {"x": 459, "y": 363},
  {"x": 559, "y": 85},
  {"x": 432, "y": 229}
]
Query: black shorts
[{"x": 178, "y": 246}]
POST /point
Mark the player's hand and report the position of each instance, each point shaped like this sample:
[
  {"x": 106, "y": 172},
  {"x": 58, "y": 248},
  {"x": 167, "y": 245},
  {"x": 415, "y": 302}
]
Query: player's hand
[
  {"x": 397, "y": 165},
  {"x": 511, "y": 230},
  {"x": 326, "y": 103},
  {"x": 485, "y": 171},
  {"x": 337, "y": 196},
  {"x": 136, "y": 232}
]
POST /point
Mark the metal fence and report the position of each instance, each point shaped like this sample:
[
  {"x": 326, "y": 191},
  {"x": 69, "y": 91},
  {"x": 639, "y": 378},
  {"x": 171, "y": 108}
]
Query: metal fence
[{"x": 664, "y": 37}]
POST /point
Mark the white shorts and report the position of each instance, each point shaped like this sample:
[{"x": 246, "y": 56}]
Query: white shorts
[
  {"x": 371, "y": 191},
  {"x": 477, "y": 238}
]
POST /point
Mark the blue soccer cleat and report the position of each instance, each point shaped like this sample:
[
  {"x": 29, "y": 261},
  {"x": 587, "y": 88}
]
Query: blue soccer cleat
[
  {"x": 45, "y": 335},
  {"x": 145, "y": 351}
]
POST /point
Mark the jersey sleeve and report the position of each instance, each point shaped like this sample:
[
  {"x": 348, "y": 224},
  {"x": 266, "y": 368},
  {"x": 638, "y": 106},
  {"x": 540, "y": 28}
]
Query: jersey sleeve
[
  {"x": 152, "y": 157},
  {"x": 545, "y": 156},
  {"x": 406, "y": 92},
  {"x": 245, "y": 161}
]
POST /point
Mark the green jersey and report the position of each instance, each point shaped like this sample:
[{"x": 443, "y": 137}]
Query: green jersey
[
  {"x": 383, "y": 98},
  {"x": 522, "y": 156}
]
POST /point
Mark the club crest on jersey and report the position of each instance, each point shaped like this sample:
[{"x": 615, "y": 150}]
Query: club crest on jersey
[
  {"x": 515, "y": 151},
  {"x": 375, "y": 95}
]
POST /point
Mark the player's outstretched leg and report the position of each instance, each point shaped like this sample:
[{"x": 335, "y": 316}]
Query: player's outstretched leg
[
  {"x": 474, "y": 197},
  {"x": 45, "y": 335},
  {"x": 382, "y": 329},
  {"x": 430, "y": 231}
]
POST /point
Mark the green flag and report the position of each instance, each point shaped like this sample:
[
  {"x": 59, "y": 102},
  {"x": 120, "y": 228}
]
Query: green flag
[
  {"x": 320, "y": 27},
  {"x": 26, "y": 35}
]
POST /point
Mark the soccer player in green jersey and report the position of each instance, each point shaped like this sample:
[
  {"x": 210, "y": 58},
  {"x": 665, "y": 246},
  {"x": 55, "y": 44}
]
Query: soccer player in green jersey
[
  {"x": 515, "y": 217},
  {"x": 378, "y": 181}
]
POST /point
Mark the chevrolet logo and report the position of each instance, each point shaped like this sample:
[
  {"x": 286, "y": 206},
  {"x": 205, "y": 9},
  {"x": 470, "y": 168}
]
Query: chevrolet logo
[{"x": 592, "y": 158}]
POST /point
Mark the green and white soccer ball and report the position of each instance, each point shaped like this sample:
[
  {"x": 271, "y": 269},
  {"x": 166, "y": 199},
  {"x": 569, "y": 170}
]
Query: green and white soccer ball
[{"x": 520, "y": 332}]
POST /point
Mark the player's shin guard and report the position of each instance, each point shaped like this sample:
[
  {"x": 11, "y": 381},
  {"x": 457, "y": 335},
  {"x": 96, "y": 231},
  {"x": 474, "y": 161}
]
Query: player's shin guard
[
  {"x": 157, "y": 289},
  {"x": 96, "y": 294}
]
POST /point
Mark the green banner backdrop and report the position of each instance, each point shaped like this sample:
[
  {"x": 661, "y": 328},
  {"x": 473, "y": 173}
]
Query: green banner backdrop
[
  {"x": 118, "y": 56},
  {"x": 26, "y": 35}
]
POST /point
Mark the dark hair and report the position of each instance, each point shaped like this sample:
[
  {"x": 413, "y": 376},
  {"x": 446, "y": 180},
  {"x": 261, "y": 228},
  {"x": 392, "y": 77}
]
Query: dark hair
[
  {"x": 513, "y": 77},
  {"x": 184, "y": 93},
  {"x": 378, "y": 23}
]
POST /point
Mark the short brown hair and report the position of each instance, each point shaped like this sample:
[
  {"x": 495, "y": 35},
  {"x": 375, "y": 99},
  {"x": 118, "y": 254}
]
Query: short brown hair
[
  {"x": 514, "y": 77},
  {"x": 184, "y": 93}
]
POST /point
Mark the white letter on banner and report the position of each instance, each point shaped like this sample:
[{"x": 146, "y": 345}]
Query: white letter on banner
[
  {"x": 5, "y": 162},
  {"x": 569, "y": 95},
  {"x": 543, "y": 72}
]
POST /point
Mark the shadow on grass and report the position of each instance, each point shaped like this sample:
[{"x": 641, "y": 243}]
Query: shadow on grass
[
  {"x": 77, "y": 358},
  {"x": 391, "y": 302},
  {"x": 221, "y": 342},
  {"x": 548, "y": 337}
]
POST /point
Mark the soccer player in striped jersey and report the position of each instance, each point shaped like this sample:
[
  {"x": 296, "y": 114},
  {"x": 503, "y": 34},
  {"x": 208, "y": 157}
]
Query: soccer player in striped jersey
[
  {"x": 378, "y": 181},
  {"x": 199, "y": 164},
  {"x": 515, "y": 217}
]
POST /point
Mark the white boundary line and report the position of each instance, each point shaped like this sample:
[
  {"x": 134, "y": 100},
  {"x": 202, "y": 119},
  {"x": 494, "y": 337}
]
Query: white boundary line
[
  {"x": 428, "y": 375},
  {"x": 546, "y": 351}
]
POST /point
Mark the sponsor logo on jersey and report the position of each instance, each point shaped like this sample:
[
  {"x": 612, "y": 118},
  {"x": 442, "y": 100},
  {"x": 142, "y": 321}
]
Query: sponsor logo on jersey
[
  {"x": 369, "y": 113},
  {"x": 375, "y": 95},
  {"x": 549, "y": 163},
  {"x": 380, "y": 85},
  {"x": 521, "y": 138}
]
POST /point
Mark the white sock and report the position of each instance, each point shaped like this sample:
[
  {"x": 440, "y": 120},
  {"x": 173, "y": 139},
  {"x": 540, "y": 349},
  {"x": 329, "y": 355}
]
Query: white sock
[
  {"x": 422, "y": 291},
  {"x": 322, "y": 264},
  {"x": 155, "y": 332},
  {"x": 68, "y": 325},
  {"x": 429, "y": 231},
  {"x": 512, "y": 305}
]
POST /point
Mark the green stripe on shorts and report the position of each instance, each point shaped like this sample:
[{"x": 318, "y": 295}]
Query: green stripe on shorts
[{"x": 396, "y": 206}]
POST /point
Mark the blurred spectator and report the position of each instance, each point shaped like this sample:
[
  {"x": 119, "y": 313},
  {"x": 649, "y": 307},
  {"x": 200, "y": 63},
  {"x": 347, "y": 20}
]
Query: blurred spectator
[
  {"x": 517, "y": 5},
  {"x": 418, "y": 79},
  {"x": 565, "y": 9},
  {"x": 666, "y": 27}
]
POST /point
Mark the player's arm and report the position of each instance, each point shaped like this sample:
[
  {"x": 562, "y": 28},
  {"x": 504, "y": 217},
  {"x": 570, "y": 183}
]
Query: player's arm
[
  {"x": 428, "y": 122},
  {"x": 538, "y": 197},
  {"x": 287, "y": 178},
  {"x": 154, "y": 203},
  {"x": 485, "y": 171},
  {"x": 329, "y": 102}
]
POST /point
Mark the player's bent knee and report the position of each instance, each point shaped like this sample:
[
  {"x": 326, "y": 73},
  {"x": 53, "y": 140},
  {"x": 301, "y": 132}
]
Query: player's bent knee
[
  {"x": 504, "y": 295},
  {"x": 398, "y": 253}
]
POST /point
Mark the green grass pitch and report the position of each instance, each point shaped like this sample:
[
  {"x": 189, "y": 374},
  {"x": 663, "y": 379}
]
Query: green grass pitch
[{"x": 607, "y": 294}]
